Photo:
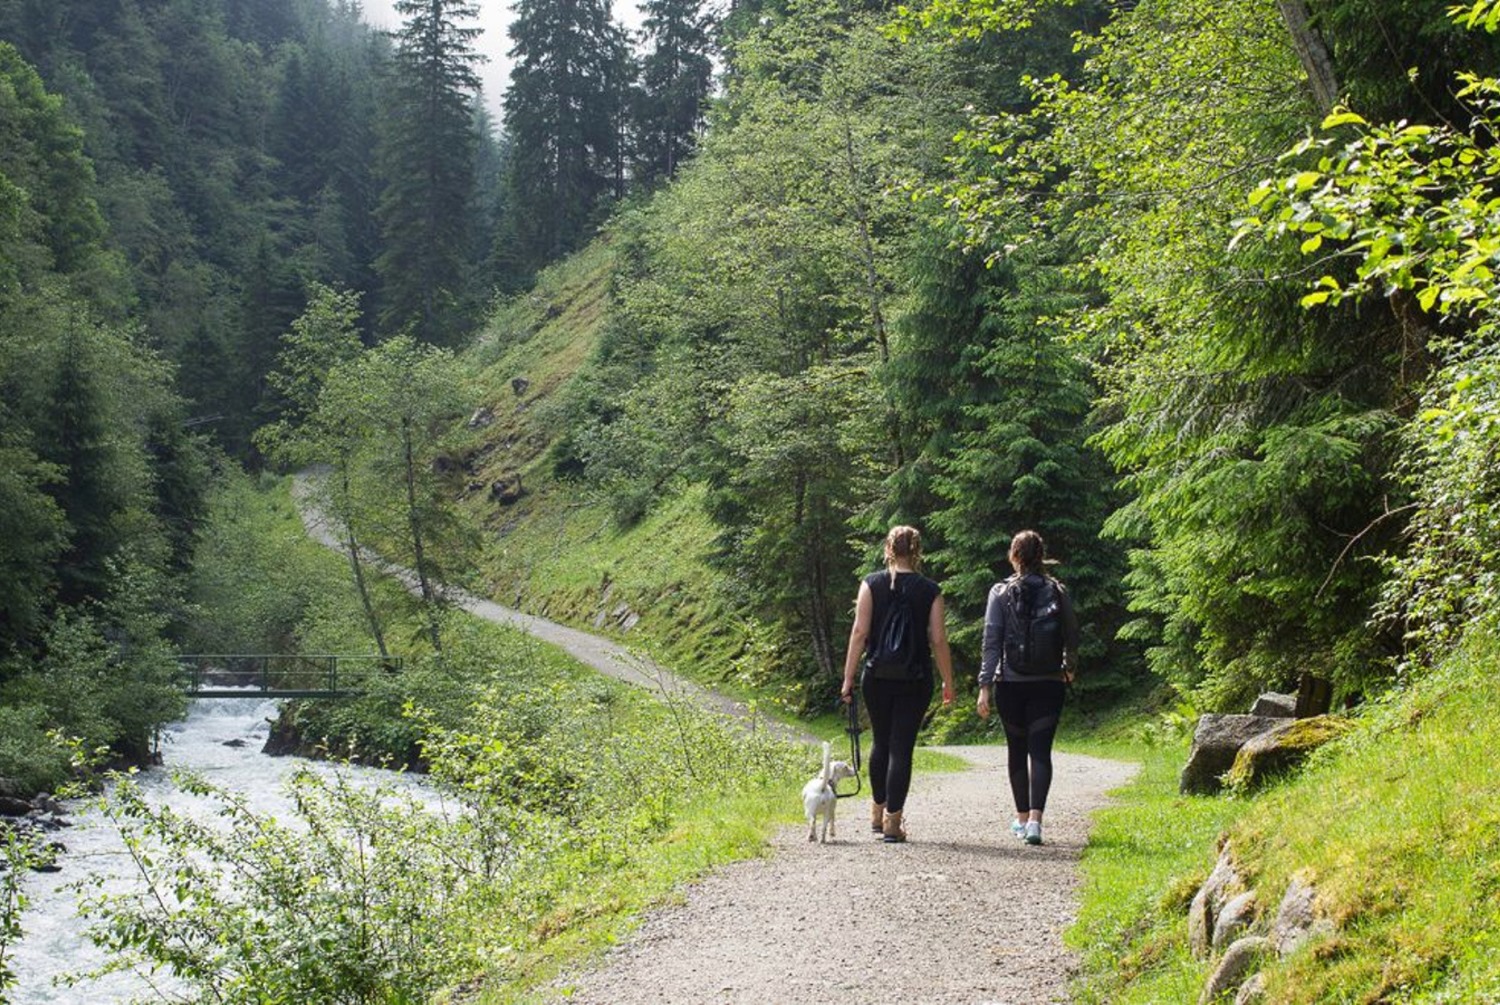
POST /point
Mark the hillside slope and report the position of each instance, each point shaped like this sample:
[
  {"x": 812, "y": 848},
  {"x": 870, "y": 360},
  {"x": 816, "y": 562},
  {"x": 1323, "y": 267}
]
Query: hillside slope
[{"x": 549, "y": 543}]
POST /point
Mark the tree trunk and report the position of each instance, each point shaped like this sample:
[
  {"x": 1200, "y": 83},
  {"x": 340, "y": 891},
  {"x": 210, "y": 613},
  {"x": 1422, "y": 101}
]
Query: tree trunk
[
  {"x": 1313, "y": 52},
  {"x": 419, "y": 554},
  {"x": 358, "y": 566}
]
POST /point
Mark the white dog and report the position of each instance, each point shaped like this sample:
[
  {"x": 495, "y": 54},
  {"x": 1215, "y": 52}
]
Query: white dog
[{"x": 818, "y": 797}]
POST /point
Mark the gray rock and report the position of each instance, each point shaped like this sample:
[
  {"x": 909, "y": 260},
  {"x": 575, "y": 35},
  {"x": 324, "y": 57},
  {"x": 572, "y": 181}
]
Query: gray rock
[
  {"x": 1239, "y": 959},
  {"x": 1252, "y": 991},
  {"x": 1277, "y": 706},
  {"x": 1234, "y": 919},
  {"x": 1296, "y": 917},
  {"x": 1216, "y": 742},
  {"x": 10, "y": 806},
  {"x": 1210, "y": 899}
]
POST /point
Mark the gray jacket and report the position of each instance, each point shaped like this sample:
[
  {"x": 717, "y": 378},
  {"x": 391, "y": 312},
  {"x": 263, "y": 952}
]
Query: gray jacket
[{"x": 1000, "y": 621}]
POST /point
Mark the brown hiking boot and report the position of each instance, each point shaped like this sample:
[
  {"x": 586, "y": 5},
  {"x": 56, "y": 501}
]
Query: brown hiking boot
[
  {"x": 893, "y": 834},
  {"x": 877, "y": 818}
]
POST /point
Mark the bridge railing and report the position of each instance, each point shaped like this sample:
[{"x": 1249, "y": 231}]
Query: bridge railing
[{"x": 276, "y": 675}]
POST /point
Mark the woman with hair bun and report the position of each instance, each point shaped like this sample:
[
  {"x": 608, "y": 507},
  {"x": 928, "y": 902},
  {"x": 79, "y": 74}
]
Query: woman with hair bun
[
  {"x": 897, "y": 696},
  {"x": 1029, "y": 655}
]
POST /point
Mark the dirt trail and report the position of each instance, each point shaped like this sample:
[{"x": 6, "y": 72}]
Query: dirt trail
[
  {"x": 608, "y": 657},
  {"x": 961, "y": 913}
]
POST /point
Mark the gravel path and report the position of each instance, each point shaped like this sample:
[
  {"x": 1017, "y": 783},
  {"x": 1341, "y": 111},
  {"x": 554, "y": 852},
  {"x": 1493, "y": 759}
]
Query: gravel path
[
  {"x": 961, "y": 913},
  {"x": 608, "y": 657}
]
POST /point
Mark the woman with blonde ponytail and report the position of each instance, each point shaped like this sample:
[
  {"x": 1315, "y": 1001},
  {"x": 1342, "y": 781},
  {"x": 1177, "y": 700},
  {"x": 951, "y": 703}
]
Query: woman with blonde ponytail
[{"x": 897, "y": 698}]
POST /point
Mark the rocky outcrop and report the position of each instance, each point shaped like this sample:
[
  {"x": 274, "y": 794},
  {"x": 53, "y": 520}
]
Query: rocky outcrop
[
  {"x": 1281, "y": 749},
  {"x": 1216, "y": 743},
  {"x": 1225, "y": 921},
  {"x": 1203, "y": 913}
]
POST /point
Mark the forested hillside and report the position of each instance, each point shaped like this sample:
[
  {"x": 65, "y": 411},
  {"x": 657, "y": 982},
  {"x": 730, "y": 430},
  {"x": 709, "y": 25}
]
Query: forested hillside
[{"x": 1204, "y": 292}]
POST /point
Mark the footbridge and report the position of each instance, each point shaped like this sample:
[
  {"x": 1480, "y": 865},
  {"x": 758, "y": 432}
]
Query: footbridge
[{"x": 274, "y": 675}]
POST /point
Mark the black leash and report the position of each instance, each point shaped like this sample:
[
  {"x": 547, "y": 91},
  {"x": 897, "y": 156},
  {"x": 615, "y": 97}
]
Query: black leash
[{"x": 853, "y": 729}]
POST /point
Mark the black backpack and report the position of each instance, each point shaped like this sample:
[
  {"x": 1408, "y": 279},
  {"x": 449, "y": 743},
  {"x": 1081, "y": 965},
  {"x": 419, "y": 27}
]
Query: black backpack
[
  {"x": 893, "y": 654},
  {"x": 1036, "y": 647}
]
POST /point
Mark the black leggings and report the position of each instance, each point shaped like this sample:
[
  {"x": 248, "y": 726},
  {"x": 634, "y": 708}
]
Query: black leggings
[
  {"x": 896, "y": 708},
  {"x": 1030, "y": 710}
]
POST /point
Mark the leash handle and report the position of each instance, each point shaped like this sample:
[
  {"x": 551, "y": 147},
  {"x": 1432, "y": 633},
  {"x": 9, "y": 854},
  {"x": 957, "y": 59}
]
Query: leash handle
[{"x": 853, "y": 729}]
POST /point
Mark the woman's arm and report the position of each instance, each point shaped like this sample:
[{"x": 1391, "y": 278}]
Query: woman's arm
[
  {"x": 994, "y": 640},
  {"x": 937, "y": 636},
  {"x": 864, "y": 604},
  {"x": 1070, "y": 635}
]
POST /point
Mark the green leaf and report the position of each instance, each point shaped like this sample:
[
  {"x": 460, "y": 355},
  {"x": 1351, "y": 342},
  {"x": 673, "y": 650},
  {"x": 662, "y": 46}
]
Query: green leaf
[{"x": 1343, "y": 117}]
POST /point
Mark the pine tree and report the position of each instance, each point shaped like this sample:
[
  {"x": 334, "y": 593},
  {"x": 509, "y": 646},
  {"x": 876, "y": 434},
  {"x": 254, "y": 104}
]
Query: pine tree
[
  {"x": 675, "y": 77},
  {"x": 563, "y": 114},
  {"x": 428, "y": 160}
]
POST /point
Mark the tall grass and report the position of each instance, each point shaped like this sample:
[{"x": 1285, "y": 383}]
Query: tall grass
[{"x": 1397, "y": 826}]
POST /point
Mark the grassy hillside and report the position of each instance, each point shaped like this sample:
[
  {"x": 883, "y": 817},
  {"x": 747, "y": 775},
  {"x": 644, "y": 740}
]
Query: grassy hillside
[
  {"x": 549, "y": 544},
  {"x": 1397, "y": 827}
]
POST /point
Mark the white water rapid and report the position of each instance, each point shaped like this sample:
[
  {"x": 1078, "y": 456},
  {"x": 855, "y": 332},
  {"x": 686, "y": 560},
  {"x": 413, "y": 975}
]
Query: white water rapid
[{"x": 220, "y": 739}]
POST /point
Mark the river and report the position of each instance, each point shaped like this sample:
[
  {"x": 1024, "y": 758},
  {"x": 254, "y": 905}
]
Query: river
[{"x": 221, "y": 739}]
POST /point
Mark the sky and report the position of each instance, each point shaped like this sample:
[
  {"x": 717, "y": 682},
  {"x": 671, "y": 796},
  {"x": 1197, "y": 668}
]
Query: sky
[{"x": 494, "y": 17}]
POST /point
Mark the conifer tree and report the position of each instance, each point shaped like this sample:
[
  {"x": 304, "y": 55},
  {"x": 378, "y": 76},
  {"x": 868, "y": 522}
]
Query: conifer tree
[
  {"x": 428, "y": 159},
  {"x": 563, "y": 114},
  {"x": 675, "y": 77}
]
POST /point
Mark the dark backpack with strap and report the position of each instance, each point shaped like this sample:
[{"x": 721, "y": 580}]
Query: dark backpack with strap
[
  {"x": 893, "y": 654},
  {"x": 1036, "y": 648}
]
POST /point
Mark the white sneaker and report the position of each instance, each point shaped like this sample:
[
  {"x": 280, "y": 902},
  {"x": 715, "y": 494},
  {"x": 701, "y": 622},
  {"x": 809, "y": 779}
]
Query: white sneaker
[
  {"x": 1018, "y": 829},
  {"x": 1033, "y": 832}
]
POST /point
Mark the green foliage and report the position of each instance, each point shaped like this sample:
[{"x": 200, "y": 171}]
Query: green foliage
[
  {"x": 675, "y": 78},
  {"x": 1410, "y": 204}
]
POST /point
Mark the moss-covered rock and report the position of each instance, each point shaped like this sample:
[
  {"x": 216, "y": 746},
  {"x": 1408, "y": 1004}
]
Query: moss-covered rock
[{"x": 1281, "y": 749}]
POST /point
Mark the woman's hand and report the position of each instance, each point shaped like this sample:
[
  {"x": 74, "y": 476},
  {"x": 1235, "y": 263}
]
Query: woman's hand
[
  {"x": 984, "y": 703},
  {"x": 847, "y": 694},
  {"x": 947, "y": 692}
]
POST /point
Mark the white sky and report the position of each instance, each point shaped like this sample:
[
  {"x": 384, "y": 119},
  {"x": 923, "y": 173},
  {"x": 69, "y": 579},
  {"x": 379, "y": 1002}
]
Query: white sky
[{"x": 494, "y": 17}]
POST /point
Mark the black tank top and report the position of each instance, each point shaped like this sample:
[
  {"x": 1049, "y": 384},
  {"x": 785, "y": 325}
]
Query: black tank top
[{"x": 920, "y": 592}]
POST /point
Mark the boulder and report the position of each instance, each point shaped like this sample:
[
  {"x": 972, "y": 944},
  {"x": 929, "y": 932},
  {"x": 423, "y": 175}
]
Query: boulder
[
  {"x": 1233, "y": 919},
  {"x": 1216, "y": 742},
  {"x": 1277, "y": 706},
  {"x": 11, "y": 806},
  {"x": 1281, "y": 749},
  {"x": 1252, "y": 991},
  {"x": 1296, "y": 918},
  {"x": 1239, "y": 959},
  {"x": 1222, "y": 884},
  {"x": 519, "y": 385}
]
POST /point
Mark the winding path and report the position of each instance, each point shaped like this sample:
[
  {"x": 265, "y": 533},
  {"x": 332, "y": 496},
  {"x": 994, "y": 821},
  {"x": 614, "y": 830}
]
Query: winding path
[
  {"x": 963, "y": 913},
  {"x": 607, "y": 657}
]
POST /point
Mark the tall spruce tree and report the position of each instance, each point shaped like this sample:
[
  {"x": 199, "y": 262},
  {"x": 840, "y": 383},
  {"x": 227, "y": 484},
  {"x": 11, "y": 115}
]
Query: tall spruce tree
[
  {"x": 676, "y": 74},
  {"x": 564, "y": 116},
  {"x": 428, "y": 160}
]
